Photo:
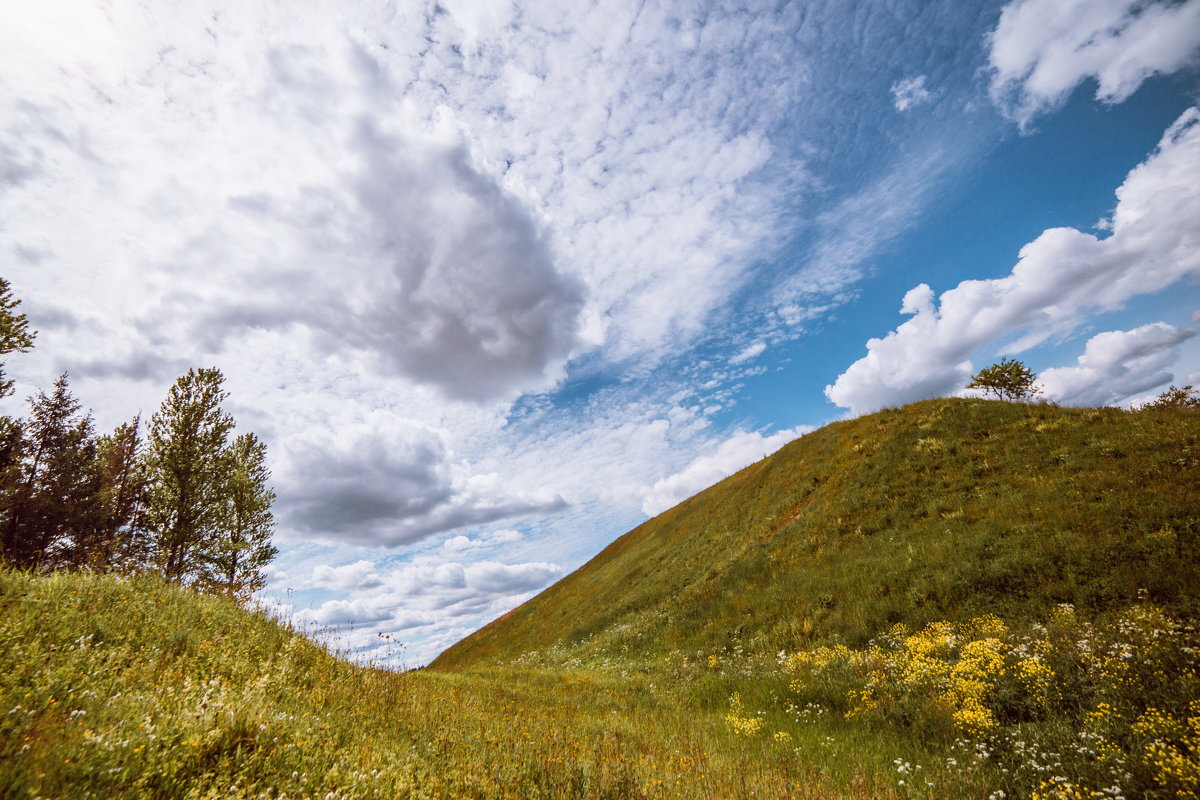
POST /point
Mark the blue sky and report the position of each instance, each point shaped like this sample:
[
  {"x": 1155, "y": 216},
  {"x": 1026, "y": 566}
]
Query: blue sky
[{"x": 497, "y": 281}]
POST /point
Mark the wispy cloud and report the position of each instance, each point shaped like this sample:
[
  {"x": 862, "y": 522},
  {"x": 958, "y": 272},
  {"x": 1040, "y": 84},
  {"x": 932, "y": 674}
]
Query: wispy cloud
[{"x": 910, "y": 92}]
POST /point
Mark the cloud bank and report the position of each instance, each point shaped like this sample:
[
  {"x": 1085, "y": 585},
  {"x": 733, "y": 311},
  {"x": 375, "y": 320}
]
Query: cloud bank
[
  {"x": 1042, "y": 49},
  {"x": 1117, "y": 365},
  {"x": 1061, "y": 275}
]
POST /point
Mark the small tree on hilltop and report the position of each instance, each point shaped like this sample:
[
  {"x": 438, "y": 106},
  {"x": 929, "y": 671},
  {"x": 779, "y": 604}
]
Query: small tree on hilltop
[
  {"x": 1175, "y": 397},
  {"x": 235, "y": 557},
  {"x": 1007, "y": 379}
]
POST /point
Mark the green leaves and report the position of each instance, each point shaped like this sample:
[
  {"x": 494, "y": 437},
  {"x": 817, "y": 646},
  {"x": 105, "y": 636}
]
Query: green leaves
[
  {"x": 1007, "y": 379},
  {"x": 15, "y": 336},
  {"x": 187, "y": 469}
]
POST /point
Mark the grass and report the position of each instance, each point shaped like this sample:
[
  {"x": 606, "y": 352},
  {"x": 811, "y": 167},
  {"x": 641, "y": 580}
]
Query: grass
[
  {"x": 943, "y": 509},
  {"x": 767, "y": 638},
  {"x": 133, "y": 688}
]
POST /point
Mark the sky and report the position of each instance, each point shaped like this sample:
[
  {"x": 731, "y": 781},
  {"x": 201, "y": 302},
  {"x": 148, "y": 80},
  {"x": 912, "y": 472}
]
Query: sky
[{"x": 496, "y": 282}]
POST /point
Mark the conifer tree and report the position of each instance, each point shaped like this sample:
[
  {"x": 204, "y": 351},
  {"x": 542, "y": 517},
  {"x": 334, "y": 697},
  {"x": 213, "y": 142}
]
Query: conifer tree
[
  {"x": 15, "y": 336},
  {"x": 186, "y": 471},
  {"x": 53, "y": 512},
  {"x": 235, "y": 559}
]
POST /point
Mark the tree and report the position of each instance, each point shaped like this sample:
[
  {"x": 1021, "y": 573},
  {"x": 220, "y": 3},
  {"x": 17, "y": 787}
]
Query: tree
[
  {"x": 1175, "y": 397},
  {"x": 235, "y": 559},
  {"x": 52, "y": 516},
  {"x": 187, "y": 472},
  {"x": 15, "y": 336},
  {"x": 1007, "y": 379},
  {"x": 120, "y": 540}
]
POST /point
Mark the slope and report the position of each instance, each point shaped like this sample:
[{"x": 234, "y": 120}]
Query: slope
[
  {"x": 942, "y": 509},
  {"x": 129, "y": 687}
]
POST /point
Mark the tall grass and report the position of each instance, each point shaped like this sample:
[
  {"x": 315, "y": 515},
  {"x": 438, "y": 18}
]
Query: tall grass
[
  {"x": 745, "y": 644},
  {"x": 940, "y": 510},
  {"x": 117, "y": 687}
]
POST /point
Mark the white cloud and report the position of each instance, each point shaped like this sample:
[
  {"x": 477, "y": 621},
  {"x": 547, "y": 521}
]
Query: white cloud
[
  {"x": 385, "y": 482},
  {"x": 1117, "y": 365},
  {"x": 1042, "y": 49},
  {"x": 739, "y": 450},
  {"x": 749, "y": 352},
  {"x": 460, "y": 542},
  {"x": 359, "y": 575},
  {"x": 1060, "y": 275},
  {"x": 422, "y": 602},
  {"x": 910, "y": 92}
]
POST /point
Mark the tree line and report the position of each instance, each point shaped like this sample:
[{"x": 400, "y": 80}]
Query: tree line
[{"x": 182, "y": 496}]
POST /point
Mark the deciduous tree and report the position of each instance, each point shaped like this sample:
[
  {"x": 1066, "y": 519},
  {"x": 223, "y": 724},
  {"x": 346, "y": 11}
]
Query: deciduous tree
[
  {"x": 1176, "y": 397},
  {"x": 15, "y": 336},
  {"x": 1007, "y": 379},
  {"x": 187, "y": 472},
  {"x": 235, "y": 559}
]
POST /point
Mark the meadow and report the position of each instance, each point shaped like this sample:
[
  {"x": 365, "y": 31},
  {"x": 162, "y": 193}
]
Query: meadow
[{"x": 956, "y": 599}]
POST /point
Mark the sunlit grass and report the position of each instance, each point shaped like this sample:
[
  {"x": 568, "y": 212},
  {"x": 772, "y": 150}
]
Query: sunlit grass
[
  {"x": 879, "y": 611},
  {"x": 133, "y": 688},
  {"x": 940, "y": 510}
]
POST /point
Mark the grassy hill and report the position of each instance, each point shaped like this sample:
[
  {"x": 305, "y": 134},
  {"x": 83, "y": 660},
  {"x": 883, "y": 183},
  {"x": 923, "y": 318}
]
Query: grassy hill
[
  {"x": 940, "y": 510},
  {"x": 975, "y": 600},
  {"x": 133, "y": 688}
]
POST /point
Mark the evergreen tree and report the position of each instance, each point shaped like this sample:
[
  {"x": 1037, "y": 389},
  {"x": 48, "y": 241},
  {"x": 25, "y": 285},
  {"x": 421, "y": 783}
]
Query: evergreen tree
[
  {"x": 236, "y": 557},
  {"x": 15, "y": 336},
  {"x": 186, "y": 471},
  {"x": 53, "y": 512}
]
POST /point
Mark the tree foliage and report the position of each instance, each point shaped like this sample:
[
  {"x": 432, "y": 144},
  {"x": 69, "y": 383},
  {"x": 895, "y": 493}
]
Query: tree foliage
[
  {"x": 1176, "y": 397},
  {"x": 187, "y": 471},
  {"x": 15, "y": 336},
  {"x": 185, "y": 501},
  {"x": 1007, "y": 379},
  {"x": 236, "y": 556},
  {"x": 51, "y": 520}
]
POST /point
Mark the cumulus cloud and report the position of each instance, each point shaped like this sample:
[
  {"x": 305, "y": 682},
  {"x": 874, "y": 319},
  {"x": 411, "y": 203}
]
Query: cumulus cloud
[
  {"x": 738, "y": 451},
  {"x": 385, "y": 483},
  {"x": 910, "y": 92},
  {"x": 358, "y": 575},
  {"x": 418, "y": 595},
  {"x": 464, "y": 293},
  {"x": 461, "y": 542},
  {"x": 1042, "y": 49},
  {"x": 1117, "y": 365},
  {"x": 1062, "y": 274}
]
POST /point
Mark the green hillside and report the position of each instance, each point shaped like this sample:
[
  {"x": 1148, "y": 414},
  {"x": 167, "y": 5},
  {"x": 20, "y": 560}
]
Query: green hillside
[
  {"x": 134, "y": 688},
  {"x": 940, "y": 510},
  {"x": 1051, "y": 551}
]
